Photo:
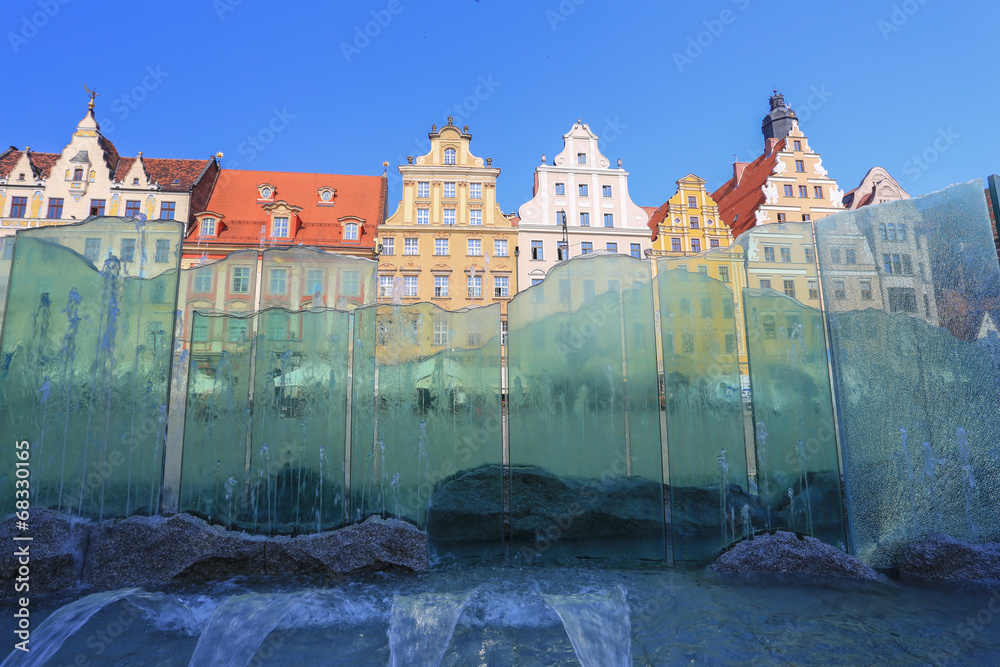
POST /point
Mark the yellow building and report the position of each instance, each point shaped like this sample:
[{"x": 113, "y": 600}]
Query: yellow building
[
  {"x": 448, "y": 242},
  {"x": 688, "y": 222}
]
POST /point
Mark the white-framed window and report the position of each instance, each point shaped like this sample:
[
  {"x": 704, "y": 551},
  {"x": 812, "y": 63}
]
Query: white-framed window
[
  {"x": 503, "y": 332},
  {"x": 583, "y": 190},
  {"x": 501, "y": 286},
  {"x": 440, "y": 246},
  {"x": 389, "y": 246},
  {"x": 585, "y": 220},
  {"x": 449, "y": 216},
  {"x": 634, "y": 250},
  {"x": 410, "y": 247},
  {"x": 612, "y": 247},
  {"x": 440, "y": 331},
  {"x": 475, "y": 287},
  {"x": 351, "y": 285},
  {"x": 440, "y": 285},
  {"x": 475, "y": 247},
  {"x": 279, "y": 281},
  {"x": 208, "y": 226},
  {"x": 409, "y": 285},
  {"x": 475, "y": 217},
  {"x": 280, "y": 228},
  {"x": 560, "y": 188},
  {"x": 605, "y": 190},
  {"x": 241, "y": 280},
  {"x": 609, "y": 220},
  {"x": 351, "y": 231},
  {"x": 423, "y": 216},
  {"x": 586, "y": 247},
  {"x": 423, "y": 189},
  {"x": 449, "y": 190},
  {"x": 475, "y": 190},
  {"x": 202, "y": 280},
  {"x": 385, "y": 285},
  {"x": 537, "y": 250},
  {"x": 581, "y": 158},
  {"x": 450, "y": 156},
  {"x": 499, "y": 247}
]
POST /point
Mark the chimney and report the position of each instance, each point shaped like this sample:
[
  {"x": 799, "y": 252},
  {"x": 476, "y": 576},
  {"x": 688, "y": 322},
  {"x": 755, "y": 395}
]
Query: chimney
[{"x": 738, "y": 169}]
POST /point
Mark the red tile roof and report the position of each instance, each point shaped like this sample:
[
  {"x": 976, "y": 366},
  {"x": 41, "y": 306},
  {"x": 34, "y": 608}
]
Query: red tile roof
[
  {"x": 42, "y": 162},
  {"x": 739, "y": 198},
  {"x": 165, "y": 171},
  {"x": 236, "y": 199},
  {"x": 656, "y": 216}
]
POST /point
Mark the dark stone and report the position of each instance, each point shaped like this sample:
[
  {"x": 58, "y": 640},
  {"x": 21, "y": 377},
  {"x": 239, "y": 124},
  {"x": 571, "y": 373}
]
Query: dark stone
[
  {"x": 55, "y": 552},
  {"x": 943, "y": 558},
  {"x": 788, "y": 553}
]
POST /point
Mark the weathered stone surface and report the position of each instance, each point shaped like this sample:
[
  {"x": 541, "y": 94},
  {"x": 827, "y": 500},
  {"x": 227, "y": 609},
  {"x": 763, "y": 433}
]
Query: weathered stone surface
[
  {"x": 944, "y": 558},
  {"x": 55, "y": 551},
  {"x": 787, "y": 553}
]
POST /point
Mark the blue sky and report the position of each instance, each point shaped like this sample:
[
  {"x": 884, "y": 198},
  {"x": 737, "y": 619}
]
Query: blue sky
[{"x": 672, "y": 87}]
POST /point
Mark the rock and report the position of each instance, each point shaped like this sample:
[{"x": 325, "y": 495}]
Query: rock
[
  {"x": 787, "y": 553},
  {"x": 466, "y": 508},
  {"x": 943, "y": 558},
  {"x": 142, "y": 551},
  {"x": 55, "y": 551}
]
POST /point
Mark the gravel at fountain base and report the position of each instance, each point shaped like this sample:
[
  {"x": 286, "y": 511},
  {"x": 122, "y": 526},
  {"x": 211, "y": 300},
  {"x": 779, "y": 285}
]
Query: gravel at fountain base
[
  {"x": 943, "y": 558},
  {"x": 788, "y": 553},
  {"x": 55, "y": 552}
]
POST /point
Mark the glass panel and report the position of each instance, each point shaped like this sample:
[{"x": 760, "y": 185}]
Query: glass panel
[
  {"x": 916, "y": 368},
  {"x": 582, "y": 483},
  {"x": 86, "y": 352},
  {"x": 707, "y": 452},
  {"x": 6, "y": 257},
  {"x": 315, "y": 278}
]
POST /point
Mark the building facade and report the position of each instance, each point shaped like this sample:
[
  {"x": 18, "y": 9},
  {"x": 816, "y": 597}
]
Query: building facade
[
  {"x": 688, "y": 223},
  {"x": 448, "y": 243},
  {"x": 580, "y": 204}
]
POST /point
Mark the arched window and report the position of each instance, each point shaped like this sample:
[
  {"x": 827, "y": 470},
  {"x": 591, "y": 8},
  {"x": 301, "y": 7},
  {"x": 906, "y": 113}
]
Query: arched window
[
  {"x": 208, "y": 226},
  {"x": 449, "y": 156},
  {"x": 351, "y": 231}
]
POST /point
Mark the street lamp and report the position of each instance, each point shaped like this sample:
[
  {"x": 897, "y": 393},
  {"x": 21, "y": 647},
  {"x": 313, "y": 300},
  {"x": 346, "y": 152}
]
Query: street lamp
[{"x": 564, "y": 246}]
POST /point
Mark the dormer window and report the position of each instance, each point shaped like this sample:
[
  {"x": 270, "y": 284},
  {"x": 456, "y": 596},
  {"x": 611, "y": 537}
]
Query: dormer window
[
  {"x": 208, "y": 226},
  {"x": 351, "y": 231},
  {"x": 280, "y": 228},
  {"x": 266, "y": 190},
  {"x": 450, "y": 156},
  {"x": 326, "y": 195},
  {"x": 20, "y": 176},
  {"x": 135, "y": 181}
]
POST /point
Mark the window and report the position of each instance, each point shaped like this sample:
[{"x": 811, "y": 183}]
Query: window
[
  {"x": 866, "y": 289},
  {"x": 440, "y": 331},
  {"x": 241, "y": 280},
  {"x": 695, "y": 245},
  {"x": 835, "y": 255},
  {"x": 91, "y": 249},
  {"x": 586, "y": 247},
  {"x": 162, "y": 250},
  {"x": 55, "y": 208},
  {"x": 800, "y": 166},
  {"x": 768, "y": 253},
  {"x": 536, "y": 250},
  {"x": 475, "y": 247},
  {"x": 899, "y": 264},
  {"x": 351, "y": 231},
  {"x": 279, "y": 281},
  {"x": 581, "y": 158},
  {"x": 503, "y": 332},
  {"x": 724, "y": 274},
  {"x": 562, "y": 252},
  {"x": 818, "y": 191},
  {"x": 440, "y": 286},
  {"x": 560, "y": 188},
  {"x": 237, "y": 330},
  {"x": 813, "y": 289},
  {"x": 409, "y": 286},
  {"x": 475, "y": 287},
  {"x": 450, "y": 156},
  {"x": 839, "y": 289},
  {"x": 765, "y": 283},
  {"x": 78, "y": 174},
  {"x": 882, "y": 231},
  {"x": 687, "y": 342},
  {"x": 611, "y": 247},
  {"x": 694, "y": 222},
  {"x": 635, "y": 250},
  {"x": 314, "y": 281},
  {"x": 605, "y": 190},
  {"x": 132, "y": 209},
  {"x": 500, "y": 247},
  {"x": 713, "y": 243},
  {"x": 385, "y": 284},
  {"x": 389, "y": 246},
  {"x": 901, "y": 231},
  {"x": 351, "y": 285},
  {"x": 96, "y": 206},
  {"x": 706, "y": 307},
  {"x": 561, "y": 218},
  {"x": 440, "y": 246},
  {"x": 277, "y": 326},
  {"x": 769, "y": 323},
  {"x": 902, "y": 299},
  {"x": 449, "y": 190},
  {"x": 423, "y": 189},
  {"x": 609, "y": 220},
  {"x": 423, "y": 216},
  {"x": 787, "y": 190},
  {"x": 675, "y": 244},
  {"x": 685, "y": 306},
  {"x": 500, "y": 286},
  {"x": 692, "y": 201},
  {"x": 584, "y": 192},
  {"x": 797, "y": 145},
  {"x": 208, "y": 226},
  {"x": 789, "y": 287},
  {"x": 730, "y": 343},
  {"x": 202, "y": 280},
  {"x": 782, "y": 217},
  {"x": 850, "y": 257},
  {"x": 280, "y": 228},
  {"x": 449, "y": 216},
  {"x": 892, "y": 232},
  {"x": 810, "y": 257},
  {"x": 703, "y": 270},
  {"x": 128, "y": 250},
  {"x": 585, "y": 220},
  {"x": 803, "y": 191},
  {"x": 475, "y": 217},
  {"x": 806, "y": 217},
  {"x": 475, "y": 190},
  {"x": 536, "y": 281}
]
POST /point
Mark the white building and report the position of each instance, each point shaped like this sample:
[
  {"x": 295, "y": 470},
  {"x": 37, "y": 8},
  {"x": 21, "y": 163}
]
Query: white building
[{"x": 582, "y": 196}]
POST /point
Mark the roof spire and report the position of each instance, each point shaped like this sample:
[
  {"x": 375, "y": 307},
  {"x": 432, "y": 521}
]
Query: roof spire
[{"x": 93, "y": 94}]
